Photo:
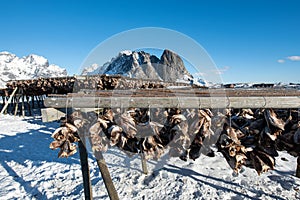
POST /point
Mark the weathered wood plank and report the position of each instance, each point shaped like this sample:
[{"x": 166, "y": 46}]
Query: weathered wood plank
[
  {"x": 188, "y": 92},
  {"x": 171, "y": 102},
  {"x": 112, "y": 192},
  {"x": 144, "y": 164},
  {"x": 85, "y": 170},
  {"x": 298, "y": 167},
  {"x": 51, "y": 114}
]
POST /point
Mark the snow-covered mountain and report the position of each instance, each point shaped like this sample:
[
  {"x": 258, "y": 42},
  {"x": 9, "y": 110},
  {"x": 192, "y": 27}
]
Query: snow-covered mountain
[
  {"x": 32, "y": 66},
  {"x": 169, "y": 67}
]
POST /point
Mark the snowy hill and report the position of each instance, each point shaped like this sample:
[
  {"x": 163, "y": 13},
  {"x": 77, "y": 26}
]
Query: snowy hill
[{"x": 28, "y": 67}]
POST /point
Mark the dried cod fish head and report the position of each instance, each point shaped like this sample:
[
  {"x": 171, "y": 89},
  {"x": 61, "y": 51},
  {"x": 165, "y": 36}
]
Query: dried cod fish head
[
  {"x": 95, "y": 128},
  {"x": 225, "y": 141},
  {"x": 108, "y": 114},
  {"x": 232, "y": 150},
  {"x": 176, "y": 119},
  {"x": 115, "y": 134},
  {"x": 272, "y": 119},
  {"x": 267, "y": 131},
  {"x": 247, "y": 114},
  {"x": 103, "y": 123},
  {"x": 232, "y": 133},
  {"x": 56, "y": 144},
  {"x": 71, "y": 127}
]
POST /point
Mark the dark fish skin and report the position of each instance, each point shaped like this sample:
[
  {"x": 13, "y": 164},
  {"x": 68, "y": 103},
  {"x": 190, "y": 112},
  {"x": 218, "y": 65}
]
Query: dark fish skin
[
  {"x": 194, "y": 151},
  {"x": 267, "y": 159},
  {"x": 257, "y": 163}
]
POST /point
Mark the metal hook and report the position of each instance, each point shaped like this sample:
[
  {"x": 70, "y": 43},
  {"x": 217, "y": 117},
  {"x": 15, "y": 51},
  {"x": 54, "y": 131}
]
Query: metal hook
[
  {"x": 178, "y": 103},
  {"x": 149, "y": 112},
  {"x": 200, "y": 103},
  {"x": 265, "y": 105},
  {"x": 228, "y": 102},
  {"x": 230, "y": 117}
]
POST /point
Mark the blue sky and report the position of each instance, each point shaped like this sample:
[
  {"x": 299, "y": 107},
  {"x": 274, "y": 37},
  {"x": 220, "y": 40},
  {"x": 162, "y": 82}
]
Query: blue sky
[{"x": 249, "y": 41}]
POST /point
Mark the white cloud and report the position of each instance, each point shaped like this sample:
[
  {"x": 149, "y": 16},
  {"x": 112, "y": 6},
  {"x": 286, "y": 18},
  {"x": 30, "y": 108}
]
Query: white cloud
[
  {"x": 217, "y": 71},
  {"x": 220, "y": 71},
  {"x": 280, "y": 61},
  {"x": 199, "y": 74},
  {"x": 294, "y": 58}
]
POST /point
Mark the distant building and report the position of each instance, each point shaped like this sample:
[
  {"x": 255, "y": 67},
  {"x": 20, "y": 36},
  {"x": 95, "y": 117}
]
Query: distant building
[
  {"x": 231, "y": 85},
  {"x": 263, "y": 85}
]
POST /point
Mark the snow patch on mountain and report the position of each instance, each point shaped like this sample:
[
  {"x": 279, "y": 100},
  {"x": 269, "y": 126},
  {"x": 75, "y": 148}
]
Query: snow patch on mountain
[{"x": 32, "y": 66}]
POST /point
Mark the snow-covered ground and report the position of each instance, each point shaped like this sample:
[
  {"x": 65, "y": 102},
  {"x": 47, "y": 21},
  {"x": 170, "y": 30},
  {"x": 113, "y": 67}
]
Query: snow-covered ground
[{"x": 30, "y": 170}]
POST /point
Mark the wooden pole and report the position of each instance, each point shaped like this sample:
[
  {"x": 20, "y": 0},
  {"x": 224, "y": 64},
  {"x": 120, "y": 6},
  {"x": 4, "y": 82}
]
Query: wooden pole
[
  {"x": 144, "y": 164},
  {"x": 85, "y": 170},
  {"x": 112, "y": 192},
  {"x": 17, "y": 105},
  {"x": 23, "y": 108},
  {"x": 28, "y": 105},
  {"x": 298, "y": 167},
  {"x": 32, "y": 101},
  {"x": 9, "y": 100}
]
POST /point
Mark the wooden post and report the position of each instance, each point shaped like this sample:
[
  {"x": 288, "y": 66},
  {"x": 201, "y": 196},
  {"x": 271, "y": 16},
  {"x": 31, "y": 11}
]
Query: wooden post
[
  {"x": 4, "y": 103},
  {"x": 17, "y": 105},
  {"x": 144, "y": 164},
  {"x": 85, "y": 169},
  {"x": 298, "y": 167},
  {"x": 112, "y": 192},
  {"x": 23, "y": 108},
  {"x": 32, "y": 101},
  {"x": 9, "y": 100},
  {"x": 28, "y": 105}
]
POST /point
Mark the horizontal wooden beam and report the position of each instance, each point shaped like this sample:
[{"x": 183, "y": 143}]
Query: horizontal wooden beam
[
  {"x": 173, "y": 102},
  {"x": 51, "y": 114},
  {"x": 188, "y": 91}
]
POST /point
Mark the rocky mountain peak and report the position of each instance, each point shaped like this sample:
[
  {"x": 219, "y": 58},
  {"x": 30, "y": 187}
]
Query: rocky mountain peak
[
  {"x": 140, "y": 64},
  {"x": 35, "y": 59},
  {"x": 171, "y": 66}
]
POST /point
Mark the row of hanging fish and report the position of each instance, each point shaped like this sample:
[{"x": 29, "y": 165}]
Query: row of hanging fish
[{"x": 245, "y": 137}]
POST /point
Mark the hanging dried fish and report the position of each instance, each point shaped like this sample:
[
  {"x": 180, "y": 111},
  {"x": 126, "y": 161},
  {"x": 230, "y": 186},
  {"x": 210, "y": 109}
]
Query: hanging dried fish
[
  {"x": 97, "y": 138},
  {"x": 245, "y": 137},
  {"x": 64, "y": 139}
]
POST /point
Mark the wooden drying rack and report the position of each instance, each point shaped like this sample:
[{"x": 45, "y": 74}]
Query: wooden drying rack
[{"x": 166, "y": 98}]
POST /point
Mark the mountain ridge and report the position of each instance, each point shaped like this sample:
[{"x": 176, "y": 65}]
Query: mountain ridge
[
  {"x": 32, "y": 66},
  {"x": 139, "y": 64}
]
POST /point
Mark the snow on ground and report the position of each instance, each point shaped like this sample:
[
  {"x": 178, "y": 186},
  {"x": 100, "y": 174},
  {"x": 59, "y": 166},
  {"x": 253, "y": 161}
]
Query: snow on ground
[{"x": 30, "y": 170}]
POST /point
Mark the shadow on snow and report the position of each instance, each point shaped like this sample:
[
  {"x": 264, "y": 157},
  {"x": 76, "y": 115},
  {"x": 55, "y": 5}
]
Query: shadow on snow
[{"x": 32, "y": 145}]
